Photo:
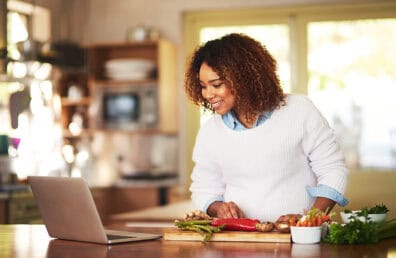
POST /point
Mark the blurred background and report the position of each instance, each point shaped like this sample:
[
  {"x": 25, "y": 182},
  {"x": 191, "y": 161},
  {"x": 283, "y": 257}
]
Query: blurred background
[{"x": 94, "y": 88}]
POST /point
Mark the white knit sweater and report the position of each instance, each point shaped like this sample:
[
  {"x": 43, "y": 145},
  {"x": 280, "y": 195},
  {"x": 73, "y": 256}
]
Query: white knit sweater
[{"x": 265, "y": 170}]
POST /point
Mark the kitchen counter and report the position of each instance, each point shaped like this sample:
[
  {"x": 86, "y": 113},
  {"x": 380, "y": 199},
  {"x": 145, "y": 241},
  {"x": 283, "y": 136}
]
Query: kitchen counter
[
  {"x": 17, "y": 205},
  {"x": 18, "y": 241}
]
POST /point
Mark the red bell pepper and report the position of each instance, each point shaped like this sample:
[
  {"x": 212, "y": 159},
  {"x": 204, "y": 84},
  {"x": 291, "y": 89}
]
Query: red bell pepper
[{"x": 243, "y": 224}]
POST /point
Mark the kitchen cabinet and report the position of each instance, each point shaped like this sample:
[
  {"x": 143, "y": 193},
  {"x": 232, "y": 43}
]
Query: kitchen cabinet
[
  {"x": 18, "y": 207},
  {"x": 131, "y": 152},
  {"x": 79, "y": 89},
  {"x": 75, "y": 100},
  {"x": 162, "y": 53},
  {"x": 113, "y": 200},
  {"x": 122, "y": 153},
  {"x": 3, "y": 209}
]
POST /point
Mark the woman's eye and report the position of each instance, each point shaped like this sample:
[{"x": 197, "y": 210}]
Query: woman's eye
[
  {"x": 217, "y": 85},
  {"x": 203, "y": 87}
]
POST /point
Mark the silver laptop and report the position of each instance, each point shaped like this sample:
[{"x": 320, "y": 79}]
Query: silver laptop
[{"x": 69, "y": 212}]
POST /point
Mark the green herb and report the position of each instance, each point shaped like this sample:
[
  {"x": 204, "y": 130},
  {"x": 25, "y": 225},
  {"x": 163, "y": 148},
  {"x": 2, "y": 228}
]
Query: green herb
[
  {"x": 363, "y": 213},
  {"x": 354, "y": 232},
  {"x": 360, "y": 232},
  {"x": 378, "y": 209},
  {"x": 203, "y": 227}
]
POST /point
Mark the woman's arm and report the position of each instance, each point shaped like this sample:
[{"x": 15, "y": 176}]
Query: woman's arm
[
  {"x": 207, "y": 185},
  {"x": 326, "y": 160}
]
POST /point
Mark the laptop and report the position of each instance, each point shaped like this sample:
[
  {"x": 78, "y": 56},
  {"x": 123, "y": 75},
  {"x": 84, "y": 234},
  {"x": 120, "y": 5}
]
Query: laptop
[{"x": 69, "y": 212}]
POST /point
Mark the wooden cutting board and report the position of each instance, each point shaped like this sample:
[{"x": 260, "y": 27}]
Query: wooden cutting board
[{"x": 228, "y": 236}]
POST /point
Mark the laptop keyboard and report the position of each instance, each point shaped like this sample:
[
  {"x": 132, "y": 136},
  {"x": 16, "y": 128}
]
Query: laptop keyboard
[{"x": 114, "y": 237}]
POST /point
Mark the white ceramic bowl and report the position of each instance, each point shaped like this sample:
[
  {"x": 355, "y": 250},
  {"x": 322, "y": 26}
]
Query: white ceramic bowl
[
  {"x": 373, "y": 217},
  {"x": 306, "y": 235},
  {"x": 377, "y": 217}
]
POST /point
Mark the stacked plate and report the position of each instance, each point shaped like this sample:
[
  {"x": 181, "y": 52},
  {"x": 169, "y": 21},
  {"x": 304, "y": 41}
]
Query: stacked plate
[{"x": 129, "y": 69}]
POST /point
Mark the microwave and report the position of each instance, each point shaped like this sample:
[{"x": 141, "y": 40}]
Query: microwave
[{"x": 126, "y": 107}]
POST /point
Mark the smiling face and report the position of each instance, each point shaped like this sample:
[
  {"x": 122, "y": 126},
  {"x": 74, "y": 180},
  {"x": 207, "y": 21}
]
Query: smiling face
[{"x": 215, "y": 90}]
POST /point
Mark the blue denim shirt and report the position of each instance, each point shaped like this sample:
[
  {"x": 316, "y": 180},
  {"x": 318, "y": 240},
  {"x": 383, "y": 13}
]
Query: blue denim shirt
[{"x": 232, "y": 122}]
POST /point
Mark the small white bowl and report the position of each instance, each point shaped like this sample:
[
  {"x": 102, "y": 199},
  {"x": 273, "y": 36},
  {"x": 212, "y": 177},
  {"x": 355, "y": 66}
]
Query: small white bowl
[
  {"x": 345, "y": 216},
  {"x": 373, "y": 217},
  {"x": 306, "y": 235},
  {"x": 377, "y": 217}
]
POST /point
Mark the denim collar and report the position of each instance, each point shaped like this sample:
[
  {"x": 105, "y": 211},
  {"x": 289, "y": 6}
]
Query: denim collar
[{"x": 232, "y": 122}]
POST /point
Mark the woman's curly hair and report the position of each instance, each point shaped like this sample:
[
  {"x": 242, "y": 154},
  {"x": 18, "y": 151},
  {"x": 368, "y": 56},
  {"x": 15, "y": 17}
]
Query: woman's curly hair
[{"x": 246, "y": 66}]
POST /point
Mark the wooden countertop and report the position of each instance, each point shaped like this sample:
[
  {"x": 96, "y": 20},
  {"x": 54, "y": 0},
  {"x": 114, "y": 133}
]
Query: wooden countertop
[{"x": 18, "y": 241}]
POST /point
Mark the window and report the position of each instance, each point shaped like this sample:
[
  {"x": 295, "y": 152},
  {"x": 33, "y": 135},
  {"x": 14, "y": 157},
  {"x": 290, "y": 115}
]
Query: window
[
  {"x": 27, "y": 111},
  {"x": 352, "y": 79},
  {"x": 342, "y": 56},
  {"x": 17, "y": 31}
]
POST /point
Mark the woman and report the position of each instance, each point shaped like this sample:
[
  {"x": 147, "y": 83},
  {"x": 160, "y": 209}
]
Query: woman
[{"x": 263, "y": 154}]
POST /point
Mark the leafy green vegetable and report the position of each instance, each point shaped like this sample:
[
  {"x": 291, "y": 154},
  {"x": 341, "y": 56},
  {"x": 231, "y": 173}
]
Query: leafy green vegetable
[
  {"x": 354, "y": 232},
  {"x": 378, "y": 209},
  {"x": 360, "y": 232}
]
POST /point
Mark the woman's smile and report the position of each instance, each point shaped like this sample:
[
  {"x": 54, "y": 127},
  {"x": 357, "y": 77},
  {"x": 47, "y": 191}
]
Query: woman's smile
[
  {"x": 215, "y": 90},
  {"x": 216, "y": 104}
]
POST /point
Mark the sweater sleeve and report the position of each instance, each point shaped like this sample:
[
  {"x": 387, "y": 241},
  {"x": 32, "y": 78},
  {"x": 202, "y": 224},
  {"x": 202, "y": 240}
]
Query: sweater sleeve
[
  {"x": 207, "y": 180},
  {"x": 323, "y": 151}
]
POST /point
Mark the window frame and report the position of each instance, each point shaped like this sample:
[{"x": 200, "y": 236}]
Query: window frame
[{"x": 39, "y": 18}]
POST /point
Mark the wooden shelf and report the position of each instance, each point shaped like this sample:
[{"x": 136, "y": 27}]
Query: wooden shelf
[
  {"x": 85, "y": 101},
  {"x": 135, "y": 132},
  {"x": 118, "y": 83},
  {"x": 85, "y": 133},
  {"x": 163, "y": 54},
  {"x": 64, "y": 79},
  {"x": 143, "y": 43},
  {"x": 99, "y": 54}
]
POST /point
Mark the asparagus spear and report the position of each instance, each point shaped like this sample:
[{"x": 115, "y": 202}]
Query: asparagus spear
[{"x": 201, "y": 226}]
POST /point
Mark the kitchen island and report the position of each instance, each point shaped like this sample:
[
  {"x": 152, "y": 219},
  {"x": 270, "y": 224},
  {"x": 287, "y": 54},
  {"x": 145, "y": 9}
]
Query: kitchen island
[{"x": 18, "y": 241}]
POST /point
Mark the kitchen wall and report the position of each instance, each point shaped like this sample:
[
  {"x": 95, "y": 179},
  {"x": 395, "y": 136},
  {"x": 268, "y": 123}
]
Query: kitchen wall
[{"x": 90, "y": 21}]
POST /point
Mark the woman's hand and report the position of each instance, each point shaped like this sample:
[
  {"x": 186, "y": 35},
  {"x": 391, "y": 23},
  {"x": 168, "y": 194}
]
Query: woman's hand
[
  {"x": 324, "y": 204},
  {"x": 225, "y": 210}
]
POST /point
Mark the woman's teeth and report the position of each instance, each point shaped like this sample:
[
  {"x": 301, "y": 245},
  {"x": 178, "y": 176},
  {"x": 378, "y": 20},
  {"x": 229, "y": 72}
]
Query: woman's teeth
[{"x": 216, "y": 104}]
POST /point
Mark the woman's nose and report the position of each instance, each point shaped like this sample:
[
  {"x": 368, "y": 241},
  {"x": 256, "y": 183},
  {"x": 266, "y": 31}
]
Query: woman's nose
[{"x": 209, "y": 92}]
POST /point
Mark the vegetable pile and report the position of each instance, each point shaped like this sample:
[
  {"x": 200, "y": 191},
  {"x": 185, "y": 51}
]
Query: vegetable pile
[
  {"x": 359, "y": 231},
  {"x": 312, "y": 218},
  {"x": 200, "y": 222}
]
